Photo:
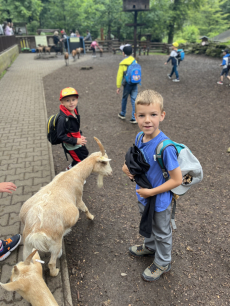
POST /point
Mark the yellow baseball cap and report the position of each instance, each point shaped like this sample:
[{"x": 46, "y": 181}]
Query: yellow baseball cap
[
  {"x": 175, "y": 44},
  {"x": 68, "y": 91}
]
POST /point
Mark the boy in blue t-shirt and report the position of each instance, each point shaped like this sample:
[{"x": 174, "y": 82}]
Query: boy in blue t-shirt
[{"x": 149, "y": 113}]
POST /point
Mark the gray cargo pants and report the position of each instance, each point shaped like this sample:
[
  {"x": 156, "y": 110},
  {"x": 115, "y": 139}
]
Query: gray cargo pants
[{"x": 161, "y": 237}]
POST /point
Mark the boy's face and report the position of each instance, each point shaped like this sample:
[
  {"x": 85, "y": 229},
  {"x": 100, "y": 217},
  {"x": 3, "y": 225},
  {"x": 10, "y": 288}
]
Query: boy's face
[
  {"x": 70, "y": 103},
  {"x": 148, "y": 118}
]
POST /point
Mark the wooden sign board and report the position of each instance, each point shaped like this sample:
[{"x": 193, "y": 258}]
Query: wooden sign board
[{"x": 41, "y": 40}]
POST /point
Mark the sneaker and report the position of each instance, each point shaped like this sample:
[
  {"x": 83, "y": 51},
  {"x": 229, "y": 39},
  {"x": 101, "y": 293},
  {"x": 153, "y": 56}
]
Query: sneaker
[
  {"x": 154, "y": 272},
  {"x": 120, "y": 116},
  {"x": 176, "y": 80},
  {"x": 69, "y": 167},
  {"x": 168, "y": 75},
  {"x": 133, "y": 121},
  {"x": 220, "y": 83},
  {"x": 140, "y": 250},
  {"x": 8, "y": 246}
]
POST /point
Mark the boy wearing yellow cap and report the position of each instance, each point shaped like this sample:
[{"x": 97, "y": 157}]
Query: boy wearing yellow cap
[
  {"x": 68, "y": 127},
  {"x": 174, "y": 59}
]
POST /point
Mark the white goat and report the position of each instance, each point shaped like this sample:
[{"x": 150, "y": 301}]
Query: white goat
[
  {"x": 26, "y": 279},
  {"x": 53, "y": 210}
]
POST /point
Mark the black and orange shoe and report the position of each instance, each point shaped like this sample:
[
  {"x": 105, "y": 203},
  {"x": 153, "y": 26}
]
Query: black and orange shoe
[{"x": 8, "y": 246}]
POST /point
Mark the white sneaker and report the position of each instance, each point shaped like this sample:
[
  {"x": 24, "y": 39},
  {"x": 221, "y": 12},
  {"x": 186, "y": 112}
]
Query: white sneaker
[
  {"x": 220, "y": 83},
  {"x": 176, "y": 80},
  {"x": 168, "y": 75},
  {"x": 69, "y": 167}
]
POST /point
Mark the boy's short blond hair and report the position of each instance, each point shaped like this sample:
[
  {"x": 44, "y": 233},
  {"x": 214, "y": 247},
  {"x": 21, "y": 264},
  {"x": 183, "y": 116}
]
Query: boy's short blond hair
[{"x": 149, "y": 96}]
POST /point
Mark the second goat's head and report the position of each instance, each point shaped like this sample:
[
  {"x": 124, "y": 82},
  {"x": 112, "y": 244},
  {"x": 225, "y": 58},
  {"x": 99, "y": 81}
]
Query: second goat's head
[{"x": 102, "y": 165}]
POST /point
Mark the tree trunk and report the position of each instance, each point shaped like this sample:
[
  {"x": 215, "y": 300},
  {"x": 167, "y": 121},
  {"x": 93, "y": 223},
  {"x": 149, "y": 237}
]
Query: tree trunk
[
  {"x": 170, "y": 34},
  {"x": 173, "y": 21}
]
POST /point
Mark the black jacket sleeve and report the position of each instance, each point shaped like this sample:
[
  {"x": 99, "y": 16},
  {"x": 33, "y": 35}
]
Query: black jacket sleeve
[{"x": 62, "y": 132}]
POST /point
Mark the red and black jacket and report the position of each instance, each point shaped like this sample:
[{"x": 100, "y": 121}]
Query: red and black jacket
[{"x": 68, "y": 127}]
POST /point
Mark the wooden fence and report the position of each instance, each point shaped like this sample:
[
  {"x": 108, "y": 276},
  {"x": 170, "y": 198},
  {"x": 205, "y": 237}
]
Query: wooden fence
[
  {"x": 143, "y": 47},
  {"x": 7, "y": 42}
]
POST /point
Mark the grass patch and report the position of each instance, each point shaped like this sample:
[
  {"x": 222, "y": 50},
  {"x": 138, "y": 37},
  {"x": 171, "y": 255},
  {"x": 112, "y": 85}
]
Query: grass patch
[
  {"x": 4, "y": 72},
  {"x": 157, "y": 53}
]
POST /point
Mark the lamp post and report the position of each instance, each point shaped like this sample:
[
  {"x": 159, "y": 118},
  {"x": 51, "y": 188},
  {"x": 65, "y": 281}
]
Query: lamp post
[{"x": 136, "y": 6}]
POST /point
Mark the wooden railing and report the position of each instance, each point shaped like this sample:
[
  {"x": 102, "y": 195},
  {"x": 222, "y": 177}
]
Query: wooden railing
[
  {"x": 7, "y": 42},
  {"x": 107, "y": 45}
]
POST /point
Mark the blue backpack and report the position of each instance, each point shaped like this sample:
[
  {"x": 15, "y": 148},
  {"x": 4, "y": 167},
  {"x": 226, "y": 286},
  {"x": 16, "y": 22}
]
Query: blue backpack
[
  {"x": 180, "y": 55},
  {"x": 133, "y": 73}
]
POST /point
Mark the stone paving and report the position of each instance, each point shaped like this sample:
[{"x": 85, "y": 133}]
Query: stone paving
[{"x": 26, "y": 160}]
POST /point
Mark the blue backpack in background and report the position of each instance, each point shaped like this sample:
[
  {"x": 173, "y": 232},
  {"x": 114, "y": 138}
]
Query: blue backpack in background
[
  {"x": 180, "y": 55},
  {"x": 133, "y": 73}
]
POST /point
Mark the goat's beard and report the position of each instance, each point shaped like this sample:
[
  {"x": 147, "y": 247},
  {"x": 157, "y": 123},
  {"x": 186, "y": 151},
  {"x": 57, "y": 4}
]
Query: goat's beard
[{"x": 100, "y": 181}]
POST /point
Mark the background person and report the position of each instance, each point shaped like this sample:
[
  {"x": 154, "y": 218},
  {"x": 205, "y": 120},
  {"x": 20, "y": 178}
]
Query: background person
[
  {"x": 88, "y": 36},
  {"x": 93, "y": 46},
  {"x": 225, "y": 65},
  {"x": 174, "y": 60},
  {"x": 10, "y": 244},
  {"x": 128, "y": 89},
  {"x": 8, "y": 30},
  {"x": 77, "y": 34}
]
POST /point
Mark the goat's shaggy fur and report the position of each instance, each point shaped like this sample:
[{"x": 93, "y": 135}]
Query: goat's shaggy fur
[
  {"x": 26, "y": 279},
  {"x": 52, "y": 211}
]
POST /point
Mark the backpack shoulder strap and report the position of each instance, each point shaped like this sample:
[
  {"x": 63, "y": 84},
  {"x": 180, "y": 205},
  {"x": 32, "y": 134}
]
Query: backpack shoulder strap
[
  {"x": 159, "y": 154},
  {"x": 139, "y": 136},
  {"x": 67, "y": 121}
]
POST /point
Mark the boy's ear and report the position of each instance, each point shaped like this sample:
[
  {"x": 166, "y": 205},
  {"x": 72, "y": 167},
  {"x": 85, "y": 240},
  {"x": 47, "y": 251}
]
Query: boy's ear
[{"x": 162, "y": 116}]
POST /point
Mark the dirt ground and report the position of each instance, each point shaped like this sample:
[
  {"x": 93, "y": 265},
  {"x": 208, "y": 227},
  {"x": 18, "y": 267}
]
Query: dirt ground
[{"x": 197, "y": 114}]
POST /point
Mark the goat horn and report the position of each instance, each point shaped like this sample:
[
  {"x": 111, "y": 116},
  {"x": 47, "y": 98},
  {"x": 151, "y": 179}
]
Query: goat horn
[
  {"x": 100, "y": 146},
  {"x": 29, "y": 258}
]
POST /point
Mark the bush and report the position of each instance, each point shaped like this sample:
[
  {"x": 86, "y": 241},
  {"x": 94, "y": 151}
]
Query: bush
[
  {"x": 33, "y": 26},
  {"x": 190, "y": 33},
  {"x": 143, "y": 38}
]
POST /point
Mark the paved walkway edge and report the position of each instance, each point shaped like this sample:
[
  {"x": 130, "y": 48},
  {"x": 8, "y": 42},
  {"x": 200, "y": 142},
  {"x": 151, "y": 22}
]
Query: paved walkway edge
[{"x": 63, "y": 261}]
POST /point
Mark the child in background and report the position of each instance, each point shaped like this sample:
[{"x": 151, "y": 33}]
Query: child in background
[
  {"x": 93, "y": 46},
  {"x": 149, "y": 113},
  {"x": 129, "y": 89},
  {"x": 68, "y": 127},
  {"x": 225, "y": 62},
  {"x": 173, "y": 58},
  {"x": 10, "y": 244}
]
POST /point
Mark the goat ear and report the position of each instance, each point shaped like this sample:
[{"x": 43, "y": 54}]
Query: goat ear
[
  {"x": 36, "y": 256},
  {"x": 29, "y": 258},
  {"x": 103, "y": 159},
  {"x": 100, "y": 146},
  {"x": 16, "y": 271},
  {"x": 13, "y": 286}
]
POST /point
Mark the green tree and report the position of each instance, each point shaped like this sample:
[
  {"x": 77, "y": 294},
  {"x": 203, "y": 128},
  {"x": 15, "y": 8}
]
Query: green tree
[
  {"x": 179, "y": 13},
  {"x": 210, "y": 20},
  {"x": 20, "y": 10}
]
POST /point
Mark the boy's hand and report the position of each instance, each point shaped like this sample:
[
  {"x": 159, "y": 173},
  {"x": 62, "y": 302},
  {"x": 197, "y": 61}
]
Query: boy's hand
[
  {"x": 166, "y": 63},
  {"x": 7, "y": 186},
  {"x": 126, "y": 171},
  {"x": 82, "y": 141},
  {"x": 145, "y": 193},
  {"x": 118, "y": 91}
]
